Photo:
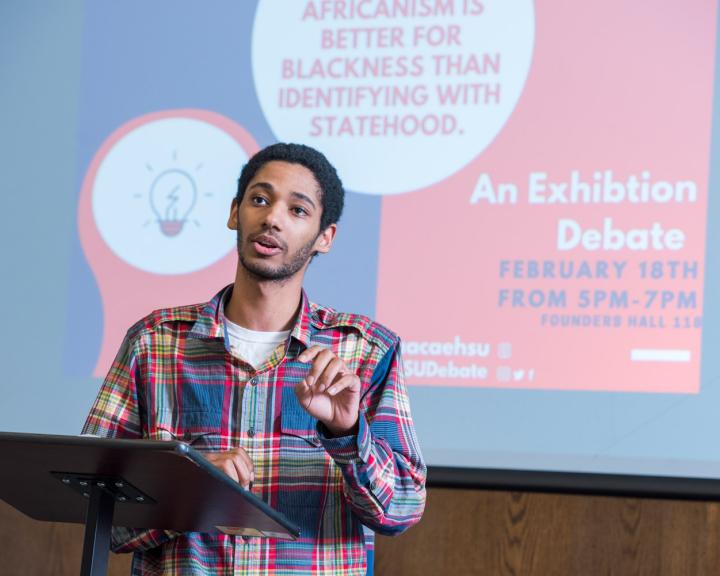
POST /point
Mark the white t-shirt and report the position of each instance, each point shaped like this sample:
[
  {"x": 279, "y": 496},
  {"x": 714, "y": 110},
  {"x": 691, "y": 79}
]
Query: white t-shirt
[{"x": 250, "y": 345}]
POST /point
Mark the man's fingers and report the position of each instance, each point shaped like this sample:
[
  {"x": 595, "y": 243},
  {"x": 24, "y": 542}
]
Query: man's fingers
[
  {"x": 244, "y": 474},
  {"x": 242, "y": 457},
  {"x": 328, "y": 376},
  {"x": 344, "y": 382},
  {"x": 229, "y": 468},
  {"x": 321, "y": 361},
  {"x": 236, "y": 464},
  {"x": 223, "y": 462},
  {"x": 310, "y": 353},
  {"x": 324, "y": 369}
]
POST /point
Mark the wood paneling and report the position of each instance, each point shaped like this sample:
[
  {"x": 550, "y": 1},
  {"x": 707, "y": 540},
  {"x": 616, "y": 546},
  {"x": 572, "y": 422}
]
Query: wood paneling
[
  {"x": 503, "y": 533},
  {"x": 471, "y": 532},
  {"x": 32, "y": 548}
]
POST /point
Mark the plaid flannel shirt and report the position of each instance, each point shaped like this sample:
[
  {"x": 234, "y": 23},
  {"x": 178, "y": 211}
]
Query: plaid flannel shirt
[{"x": 174, "y": 378}]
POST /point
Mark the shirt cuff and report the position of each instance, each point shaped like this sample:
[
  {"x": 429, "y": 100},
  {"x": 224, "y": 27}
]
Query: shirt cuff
[{"x": 347, "y": 449}]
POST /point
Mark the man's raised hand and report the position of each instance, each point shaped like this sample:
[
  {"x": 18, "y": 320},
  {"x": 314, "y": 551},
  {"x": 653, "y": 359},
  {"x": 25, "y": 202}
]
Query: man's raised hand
[{"x": 330, "y": 392}]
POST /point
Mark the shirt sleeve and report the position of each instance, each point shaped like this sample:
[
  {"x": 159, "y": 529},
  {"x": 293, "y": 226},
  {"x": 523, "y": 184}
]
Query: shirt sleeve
[
  {"x": 116, "y": 413},
  {"x": 382, "y": 465}
]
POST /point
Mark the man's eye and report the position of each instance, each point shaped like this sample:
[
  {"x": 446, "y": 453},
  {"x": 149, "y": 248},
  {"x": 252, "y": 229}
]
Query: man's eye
[
  {"x": 300, "y": 211},
  {"x": 259, "y": 201}
]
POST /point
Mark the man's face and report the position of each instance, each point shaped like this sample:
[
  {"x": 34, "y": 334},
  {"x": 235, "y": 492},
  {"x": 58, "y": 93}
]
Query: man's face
[{"x": 278, "y": 222}]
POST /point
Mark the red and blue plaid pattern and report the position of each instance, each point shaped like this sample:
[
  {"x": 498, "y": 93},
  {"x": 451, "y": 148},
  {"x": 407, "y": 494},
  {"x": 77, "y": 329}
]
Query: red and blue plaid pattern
[{"x": 174, "y": 378}]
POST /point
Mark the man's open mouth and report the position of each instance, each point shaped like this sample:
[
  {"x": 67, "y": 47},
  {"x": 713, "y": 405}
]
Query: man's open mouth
[{"x": 266, "y": 244}]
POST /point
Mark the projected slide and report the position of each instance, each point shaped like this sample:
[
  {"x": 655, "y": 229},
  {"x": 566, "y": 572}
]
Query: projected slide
[
  {"x": 570, "y": 254},
  {"x": 526, "y": 237}
]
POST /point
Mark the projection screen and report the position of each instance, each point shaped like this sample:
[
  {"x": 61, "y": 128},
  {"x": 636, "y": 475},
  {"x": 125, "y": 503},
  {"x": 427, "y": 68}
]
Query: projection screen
[{"x": 531, "y": 204}]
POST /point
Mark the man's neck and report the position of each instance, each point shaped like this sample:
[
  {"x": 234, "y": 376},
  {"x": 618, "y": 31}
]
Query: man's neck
[{"x": 264, "y": 305}]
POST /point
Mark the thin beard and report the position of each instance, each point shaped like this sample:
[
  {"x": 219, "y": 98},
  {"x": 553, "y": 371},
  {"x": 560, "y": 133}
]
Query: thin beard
[{"x": 285, "y": 272}]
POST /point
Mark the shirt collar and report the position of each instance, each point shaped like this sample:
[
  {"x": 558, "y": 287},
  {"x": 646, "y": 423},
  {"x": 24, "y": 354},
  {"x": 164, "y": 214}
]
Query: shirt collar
[
  {"x": 210, "y": 322},
  {"x": 304, "y": 324}
]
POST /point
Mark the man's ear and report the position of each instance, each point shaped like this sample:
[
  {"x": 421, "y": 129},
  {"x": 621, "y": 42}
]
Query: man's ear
[
  {"x": 232, "y": 219},
  {"x": 324, "y": 241}
]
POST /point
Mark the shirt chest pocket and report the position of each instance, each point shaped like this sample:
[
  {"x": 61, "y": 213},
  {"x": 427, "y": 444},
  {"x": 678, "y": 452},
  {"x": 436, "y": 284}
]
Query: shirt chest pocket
[
  {"x": 200, "y": 429},
  {"x": 297, "y": 426}
]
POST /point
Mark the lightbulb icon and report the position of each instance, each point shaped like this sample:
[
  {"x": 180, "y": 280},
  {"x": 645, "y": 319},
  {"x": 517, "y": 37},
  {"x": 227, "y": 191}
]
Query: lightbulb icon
[
  {"x": 151, "y": 224},
  {"x": 173, "y": 194}
]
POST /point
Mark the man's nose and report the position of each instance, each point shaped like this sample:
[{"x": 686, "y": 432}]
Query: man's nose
[{"x": 275, "y": 215}]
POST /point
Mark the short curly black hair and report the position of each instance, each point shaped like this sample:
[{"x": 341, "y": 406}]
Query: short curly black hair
[{"x": 331, "y": 189}]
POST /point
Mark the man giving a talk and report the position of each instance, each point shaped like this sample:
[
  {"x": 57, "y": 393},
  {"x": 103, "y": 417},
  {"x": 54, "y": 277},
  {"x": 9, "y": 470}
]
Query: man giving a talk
[{"x": 301, "y": 404}]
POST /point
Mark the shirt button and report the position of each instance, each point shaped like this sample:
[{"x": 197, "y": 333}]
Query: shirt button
[
  {"x": 253, "y": 381},
  {"x": 251, "y": 432}
]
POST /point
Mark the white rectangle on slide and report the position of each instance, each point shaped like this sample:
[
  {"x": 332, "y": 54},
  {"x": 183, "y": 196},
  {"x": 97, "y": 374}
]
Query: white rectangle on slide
[{"x": 666, "y": 355}]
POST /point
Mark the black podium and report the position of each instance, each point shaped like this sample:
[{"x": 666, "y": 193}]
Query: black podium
[{"x": 133, "y": 483}]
